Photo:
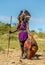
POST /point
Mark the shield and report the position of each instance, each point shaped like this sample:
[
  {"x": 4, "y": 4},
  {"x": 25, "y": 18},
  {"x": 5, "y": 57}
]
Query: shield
[{"x": 30, "y": 47}]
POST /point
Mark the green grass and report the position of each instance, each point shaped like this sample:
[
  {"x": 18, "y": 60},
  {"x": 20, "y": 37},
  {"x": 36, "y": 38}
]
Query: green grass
[
  {"x": 41, "y": 44},
  {"x": 1, "y": 49},
  {"x": 14, "y": 43}
]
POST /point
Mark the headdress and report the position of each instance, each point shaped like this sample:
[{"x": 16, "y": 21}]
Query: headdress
[{"x": 24, "y": 16}]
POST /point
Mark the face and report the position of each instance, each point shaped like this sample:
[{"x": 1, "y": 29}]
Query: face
[{"x": 24, "y": 16}]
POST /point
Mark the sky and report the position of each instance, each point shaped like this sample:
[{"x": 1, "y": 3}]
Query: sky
[{"x": 12, "y": 8}]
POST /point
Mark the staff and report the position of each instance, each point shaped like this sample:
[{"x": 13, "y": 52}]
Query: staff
[{"x": 9, "y": 36}]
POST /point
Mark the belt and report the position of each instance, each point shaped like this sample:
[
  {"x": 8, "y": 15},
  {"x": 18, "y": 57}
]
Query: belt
[{"x": 23, "y": 31}]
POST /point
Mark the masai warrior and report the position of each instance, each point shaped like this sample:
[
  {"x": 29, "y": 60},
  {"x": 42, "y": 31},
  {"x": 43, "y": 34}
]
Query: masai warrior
[{"x": 27, "y": 41}]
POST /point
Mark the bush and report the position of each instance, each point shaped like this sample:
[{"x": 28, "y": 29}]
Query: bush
[{"x": 41, "y": 35}]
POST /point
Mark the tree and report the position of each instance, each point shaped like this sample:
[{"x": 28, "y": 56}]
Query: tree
[{"x": 33, "y": 32}]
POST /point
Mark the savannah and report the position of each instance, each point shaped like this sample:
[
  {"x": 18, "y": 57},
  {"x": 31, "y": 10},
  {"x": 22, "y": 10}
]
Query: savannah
[{"x": 13, "y": 57}]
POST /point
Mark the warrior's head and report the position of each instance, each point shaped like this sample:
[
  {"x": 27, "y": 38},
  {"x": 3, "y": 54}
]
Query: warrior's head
[{"x": 24, "y": 16}]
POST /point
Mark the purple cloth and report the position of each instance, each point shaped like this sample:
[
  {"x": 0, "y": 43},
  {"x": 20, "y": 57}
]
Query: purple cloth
[
  {"x": 22, "y": 26},
  {"x": 22, "y": 35}
]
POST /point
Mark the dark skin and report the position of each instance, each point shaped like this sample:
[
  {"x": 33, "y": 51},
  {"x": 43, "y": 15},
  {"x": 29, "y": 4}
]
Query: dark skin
[
  {"x": 22, "y": 20},
  {"x": 13, "y": 31}
]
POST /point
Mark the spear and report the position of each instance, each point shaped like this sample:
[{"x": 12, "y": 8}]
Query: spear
[{"x": 9, "y": 35}]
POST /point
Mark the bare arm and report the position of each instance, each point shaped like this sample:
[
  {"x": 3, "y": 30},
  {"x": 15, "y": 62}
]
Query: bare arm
[
  {"x": 16, "y": 29},
  {"x": 13, "y": 31}
]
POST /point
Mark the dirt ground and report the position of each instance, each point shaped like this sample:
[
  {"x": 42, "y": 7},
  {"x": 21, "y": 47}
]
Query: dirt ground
[{"x": 13, "y": 58}]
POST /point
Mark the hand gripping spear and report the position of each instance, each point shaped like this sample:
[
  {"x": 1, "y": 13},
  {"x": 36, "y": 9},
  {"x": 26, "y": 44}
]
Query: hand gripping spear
[{"x": 9, "y": 36}]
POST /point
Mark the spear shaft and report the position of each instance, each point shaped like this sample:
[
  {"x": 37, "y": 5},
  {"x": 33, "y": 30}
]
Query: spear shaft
[{"x": 9, "y": 35}]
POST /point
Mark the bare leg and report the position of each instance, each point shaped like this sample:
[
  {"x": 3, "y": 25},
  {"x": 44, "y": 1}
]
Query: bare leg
[{"x": 22, "y": 50}]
